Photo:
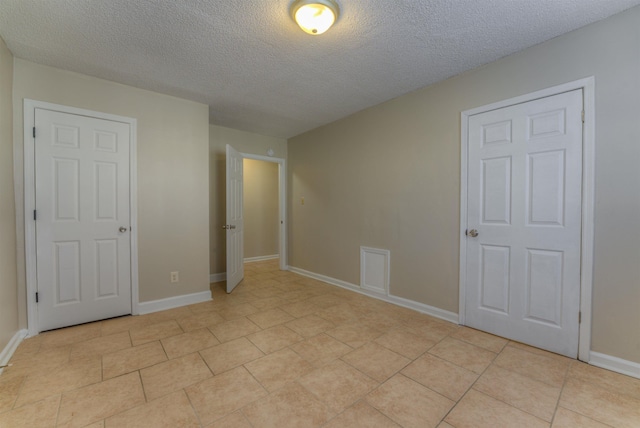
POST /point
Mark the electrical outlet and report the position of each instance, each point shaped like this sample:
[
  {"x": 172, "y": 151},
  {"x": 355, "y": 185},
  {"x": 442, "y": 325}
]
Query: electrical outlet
[{"x": 175, "y": 277}]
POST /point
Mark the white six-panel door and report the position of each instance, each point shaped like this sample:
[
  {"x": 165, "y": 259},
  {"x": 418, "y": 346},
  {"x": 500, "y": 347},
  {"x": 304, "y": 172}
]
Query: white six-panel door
[
  {"x": 235, "y": 219},
  {"x": 83, "y": 218},
  {"x": 524, "y": 206}
]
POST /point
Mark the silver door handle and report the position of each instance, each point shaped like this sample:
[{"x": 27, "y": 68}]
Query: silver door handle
[
  {"x": 122, "y": 229},
  {"x": 472, "y": 233},
  {"x": 232, "y": 226}
]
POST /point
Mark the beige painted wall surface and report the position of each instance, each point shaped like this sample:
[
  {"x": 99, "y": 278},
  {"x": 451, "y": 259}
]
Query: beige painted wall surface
[
  {"x": 8, "y": 276},
  {"x": 260, "y": 208},
  {"x": 390, "y": 177},
  {"x": 173, "y": 210},
  {"x": 244, "y": 142}
]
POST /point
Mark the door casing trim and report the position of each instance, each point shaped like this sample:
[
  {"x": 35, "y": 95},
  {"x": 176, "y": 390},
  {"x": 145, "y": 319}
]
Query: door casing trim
[
  {"x": 29, "y": 107},
  {"x": 587, "y": 85},
  {"x": 282, "y": 203}
]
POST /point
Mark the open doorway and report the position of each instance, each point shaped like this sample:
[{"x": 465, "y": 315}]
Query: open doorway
[
  {"x": 218, "y": 207},
  {"x": 261, "y": 210},
  {"x": 269, "y": 165}
]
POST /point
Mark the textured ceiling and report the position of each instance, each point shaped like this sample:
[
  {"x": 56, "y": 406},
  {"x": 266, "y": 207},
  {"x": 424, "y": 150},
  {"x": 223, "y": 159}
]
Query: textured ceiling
[{"x": 259, "y": 72}]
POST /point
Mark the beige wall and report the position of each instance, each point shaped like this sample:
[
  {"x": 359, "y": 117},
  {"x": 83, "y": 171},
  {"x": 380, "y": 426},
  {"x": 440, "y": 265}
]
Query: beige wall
[
  {"x": 8, "y": 277},
  {"x": 260, "y": 208},
  {"x": 244, "y": 142},
  {"x": 389, "y": 177},
  {"x": 173, "y": 211}
]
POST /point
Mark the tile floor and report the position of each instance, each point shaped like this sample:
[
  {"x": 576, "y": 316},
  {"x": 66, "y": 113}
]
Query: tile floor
[{"x": 288, "y": 351}]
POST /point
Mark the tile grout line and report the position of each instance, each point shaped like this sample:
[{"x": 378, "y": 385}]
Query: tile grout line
[
  {"x": 470, "y": 387},
  {"x": 241, "y": 409},
  {"x": 58, "y": 409},
  {"x": 511, "y": 405},
  {"x": 144, "y": 391},
  {"x": 564, "y": 383},
  {"x": 195, "y": 412},
  {"x": 24, "y": 380},
  {"x": 566, "y": 379}
]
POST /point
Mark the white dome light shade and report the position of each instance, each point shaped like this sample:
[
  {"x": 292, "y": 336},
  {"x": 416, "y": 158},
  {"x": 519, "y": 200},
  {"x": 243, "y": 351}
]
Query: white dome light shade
[{"x": 315, "y": 16}]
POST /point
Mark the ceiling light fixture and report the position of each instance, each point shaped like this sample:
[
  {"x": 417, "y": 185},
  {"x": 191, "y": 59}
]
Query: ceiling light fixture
[{"x": 315, "y": 16}]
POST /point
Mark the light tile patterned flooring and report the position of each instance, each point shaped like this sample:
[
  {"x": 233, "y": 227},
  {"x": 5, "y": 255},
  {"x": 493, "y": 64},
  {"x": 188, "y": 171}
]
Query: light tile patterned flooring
[{"x": 287, "y": 351}]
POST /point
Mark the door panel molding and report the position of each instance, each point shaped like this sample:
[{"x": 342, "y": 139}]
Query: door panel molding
[
  {"x": 29, "y": 108},
  {"x": 587, "y": 85}
]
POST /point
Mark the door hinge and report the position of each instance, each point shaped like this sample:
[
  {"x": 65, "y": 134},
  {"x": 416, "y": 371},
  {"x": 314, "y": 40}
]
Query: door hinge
[
  {"x": 466, "y": 232},
  {"x": 35, "y": 214},
  {"x": 34, "y": 132},
  {"x": 37, "y": 299},
  {"x": 582, "y": 116},
  {"x": 580, "y": 317}
]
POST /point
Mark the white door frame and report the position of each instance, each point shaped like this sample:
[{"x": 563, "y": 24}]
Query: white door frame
[
  {"x": 30, "y": 201},
  {"x": 282, "y": 203},
  {"x": 588, "y": 197}
]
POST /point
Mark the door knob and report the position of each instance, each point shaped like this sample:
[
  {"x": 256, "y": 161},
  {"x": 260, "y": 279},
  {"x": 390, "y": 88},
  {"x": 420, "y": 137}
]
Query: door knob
[
  {"x": 473, "y": 233},
  {"x": 122, "y": 229}
]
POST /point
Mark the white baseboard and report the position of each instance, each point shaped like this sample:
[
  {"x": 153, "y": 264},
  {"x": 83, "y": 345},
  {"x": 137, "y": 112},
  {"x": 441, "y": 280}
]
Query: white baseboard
[
  {"x": 399, "y": 301},
  {"x": 261, "y": 258},
  {"x": 173, "y": 302},
  {"x": 615, "y": 364},
  {"x": 326, "y": 279},
  {"x": 217, "y": 277},
  {"x": 11, "y": 347},
  {"x": 421, "y": 307},
  {"x": 222, "y": 276}
]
